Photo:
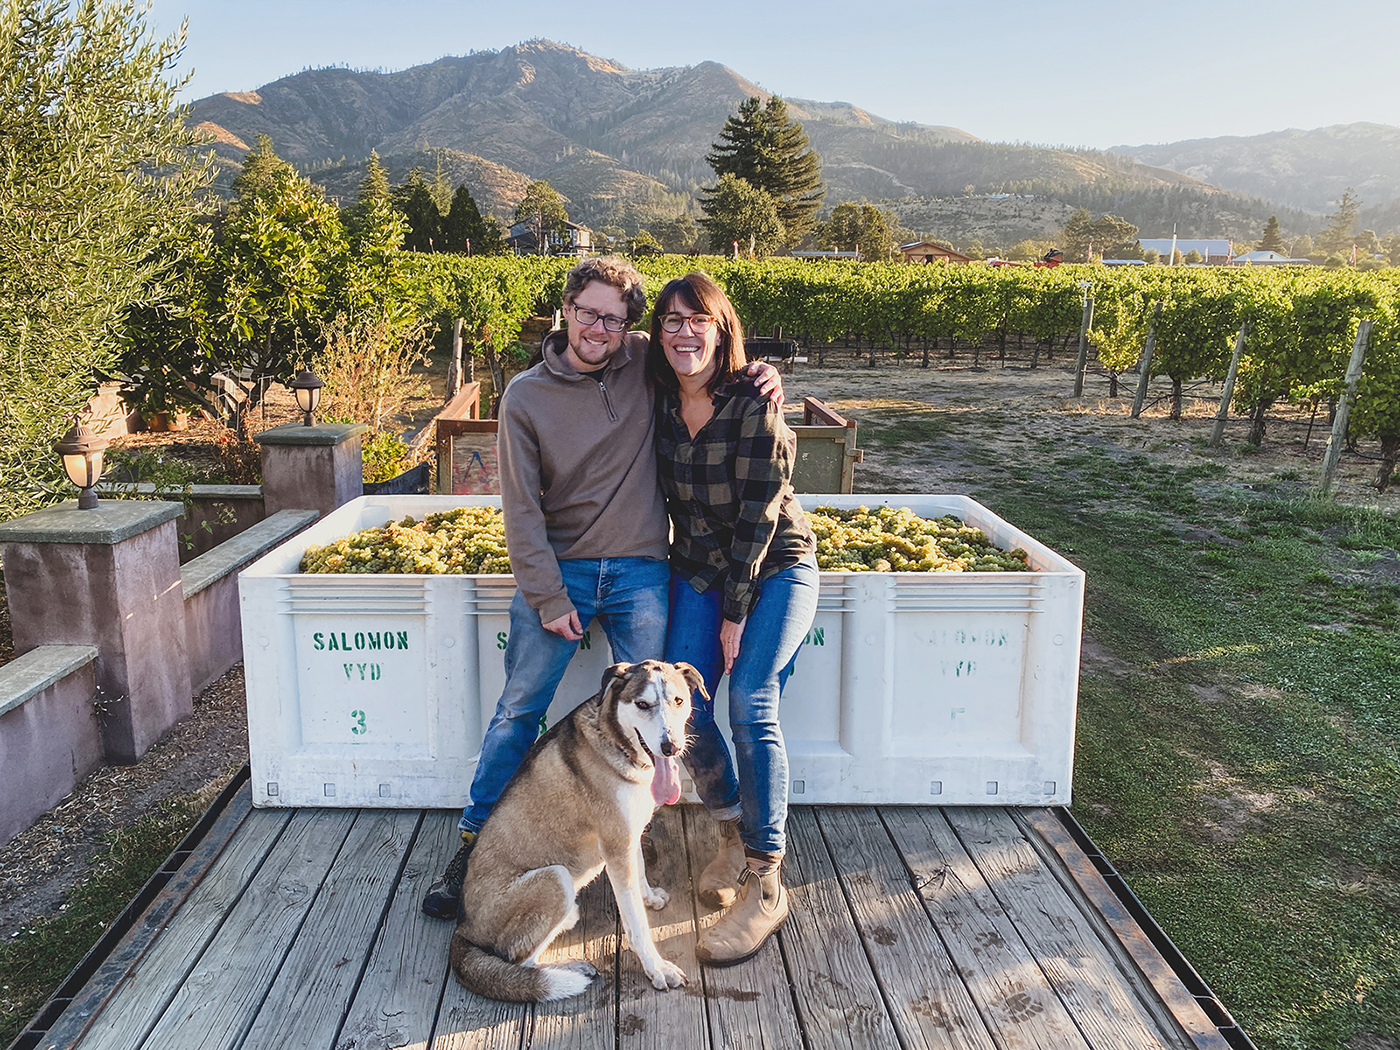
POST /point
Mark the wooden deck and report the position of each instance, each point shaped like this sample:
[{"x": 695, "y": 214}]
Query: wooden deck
[{"x": 911, "y": 927}]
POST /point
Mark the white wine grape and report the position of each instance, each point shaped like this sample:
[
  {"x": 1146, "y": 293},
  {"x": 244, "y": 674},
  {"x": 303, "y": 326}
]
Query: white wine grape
[
  {"x": 472, "y": 541},
  {"x": 890, "y": 540}
]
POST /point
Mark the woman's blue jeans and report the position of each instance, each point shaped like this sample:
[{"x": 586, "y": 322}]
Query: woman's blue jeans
[{"x": 774, "y": 632}]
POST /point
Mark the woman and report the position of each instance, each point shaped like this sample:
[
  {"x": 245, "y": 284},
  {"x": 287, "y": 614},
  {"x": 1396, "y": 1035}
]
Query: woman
[{"x": 743, "y": 594}]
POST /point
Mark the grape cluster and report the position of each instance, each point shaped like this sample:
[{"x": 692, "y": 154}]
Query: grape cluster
[
  {"x": 470, "y": 540},
  {"x": 889, "y": 540}
]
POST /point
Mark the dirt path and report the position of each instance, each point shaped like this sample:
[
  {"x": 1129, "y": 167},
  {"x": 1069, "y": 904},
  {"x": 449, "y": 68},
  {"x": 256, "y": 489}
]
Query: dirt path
[{"x": 199, "y": 756}]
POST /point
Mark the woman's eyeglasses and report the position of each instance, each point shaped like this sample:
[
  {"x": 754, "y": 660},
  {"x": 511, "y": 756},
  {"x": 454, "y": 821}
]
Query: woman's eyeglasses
[
  {"x": 588, "y": 318},
  {"x": 699, "y": 323}
]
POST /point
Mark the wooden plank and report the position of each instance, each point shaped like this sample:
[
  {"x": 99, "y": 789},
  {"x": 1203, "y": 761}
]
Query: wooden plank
[
  {"x": 749, "y": 1005},
  {"x": 929, "y": 1004},
  {"x": 1176, "y": 997},
  {"x": 134, "y": 1009},
  {"x": 589, "y": 1020},
  {"x": 118, "y": 967},
  {"x": 402, "y": 985},
  {"x": 1087, "y": 977},
  {"x": 649, "y": 1019},
  {"x": 313, "y": 987},
  {"x": 220, "y": 998},
  {"x": 468, "y": 1022},
  {"x": 1005, "y": 980},
  {"x": 837, "y": 996}
]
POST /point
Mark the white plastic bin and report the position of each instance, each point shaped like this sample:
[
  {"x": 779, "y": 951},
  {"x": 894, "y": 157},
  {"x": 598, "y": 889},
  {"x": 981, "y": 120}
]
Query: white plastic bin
[{"x": 915, "y": 688}]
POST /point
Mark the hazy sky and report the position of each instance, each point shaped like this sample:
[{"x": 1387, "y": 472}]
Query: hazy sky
[{"x": 1072, "y": 72}]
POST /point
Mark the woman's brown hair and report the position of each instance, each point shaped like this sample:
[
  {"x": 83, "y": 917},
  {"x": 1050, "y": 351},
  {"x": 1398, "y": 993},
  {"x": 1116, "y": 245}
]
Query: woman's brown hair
[{"x": 699, "y": 292}]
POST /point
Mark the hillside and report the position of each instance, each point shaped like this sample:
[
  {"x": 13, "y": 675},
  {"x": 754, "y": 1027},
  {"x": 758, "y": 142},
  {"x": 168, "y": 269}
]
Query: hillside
[
  {"x": 624, "y": 146},
  {"x": 1304, "y": 169}
]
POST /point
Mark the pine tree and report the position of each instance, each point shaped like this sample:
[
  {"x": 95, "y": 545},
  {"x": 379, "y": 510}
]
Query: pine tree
[
  {"x": 415, "y": 200},
  {"x": 464, "y": 229},
  {"x": 769, "y": 150},
  {"x": 374, "y": 189},
  {"x": 1273, "y": 240},
  {"x": 1341, "y": 225}
]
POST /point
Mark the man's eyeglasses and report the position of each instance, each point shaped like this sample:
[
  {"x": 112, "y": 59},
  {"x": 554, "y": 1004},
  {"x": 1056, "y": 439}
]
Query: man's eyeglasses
[
  {"x": 588, "y": 318},
  {"x": 699, "y": 323}
]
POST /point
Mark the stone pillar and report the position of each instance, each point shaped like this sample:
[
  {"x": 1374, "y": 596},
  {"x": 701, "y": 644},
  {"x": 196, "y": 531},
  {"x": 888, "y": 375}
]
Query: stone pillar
[
  {"x": 311, "y": 468},
  {"x": 110, "y": 578}
]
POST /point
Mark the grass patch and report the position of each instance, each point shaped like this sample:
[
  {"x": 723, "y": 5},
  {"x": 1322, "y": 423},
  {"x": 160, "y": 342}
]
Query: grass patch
[
  {"x": 1243, "y": 773},
  {"x": 914, "y": 427},
  {"x": 36, "y": 962}
]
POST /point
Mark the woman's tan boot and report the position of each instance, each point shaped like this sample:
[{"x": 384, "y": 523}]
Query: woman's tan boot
[
  {"x": 719, "y": 882},
  {"x": 761, "y": 907}
]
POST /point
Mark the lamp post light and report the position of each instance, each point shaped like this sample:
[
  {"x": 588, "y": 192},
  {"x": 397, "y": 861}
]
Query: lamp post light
[
  {"x": 308, "y": 393},
  {"x": 81, "y": 450}
]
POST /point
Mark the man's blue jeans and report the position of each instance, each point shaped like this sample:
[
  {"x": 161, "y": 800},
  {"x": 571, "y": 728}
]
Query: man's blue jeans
[
  {"x": 628, "y": 596},
  {"x": 774, "y": 632}
]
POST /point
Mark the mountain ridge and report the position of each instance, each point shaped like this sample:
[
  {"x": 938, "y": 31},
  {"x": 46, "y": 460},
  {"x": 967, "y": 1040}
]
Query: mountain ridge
[
  {"x": 628, "y": 146},
  {"x": 1295, "y": 166}
]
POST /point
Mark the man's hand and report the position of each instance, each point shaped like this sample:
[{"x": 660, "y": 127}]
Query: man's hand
[
  {"x": 768, "y": 381},
  {"x": 568, "y": 627},
  {"x": 730, "y": 635}
]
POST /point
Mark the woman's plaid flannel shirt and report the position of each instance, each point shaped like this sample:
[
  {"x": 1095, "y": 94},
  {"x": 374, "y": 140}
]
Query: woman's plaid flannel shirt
[{"x": 729, "y": 493}]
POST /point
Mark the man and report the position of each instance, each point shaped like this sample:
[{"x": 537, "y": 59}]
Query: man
[{"x": 585, "y": 520}]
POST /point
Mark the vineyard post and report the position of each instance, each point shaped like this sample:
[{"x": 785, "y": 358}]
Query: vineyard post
[
  {"x": 1083, "y": 360},
  {"x": 1339, "y": 424},
  {"x": 1221, "y": 413},
  {"x": 1146, "y": 376},
  {"x": 454, "y": 367}
]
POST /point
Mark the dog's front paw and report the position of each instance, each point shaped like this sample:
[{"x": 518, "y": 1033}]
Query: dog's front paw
[
  {"x": 666, "y": 975},
  {"x": 656, "y": 898}
]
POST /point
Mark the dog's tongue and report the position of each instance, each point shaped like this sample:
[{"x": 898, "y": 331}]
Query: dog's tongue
[{"x": 666, "y": 781}]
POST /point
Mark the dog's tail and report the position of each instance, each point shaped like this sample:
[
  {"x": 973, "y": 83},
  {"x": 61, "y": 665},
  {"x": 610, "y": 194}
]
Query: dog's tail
[{"x": 488, "y": 975}]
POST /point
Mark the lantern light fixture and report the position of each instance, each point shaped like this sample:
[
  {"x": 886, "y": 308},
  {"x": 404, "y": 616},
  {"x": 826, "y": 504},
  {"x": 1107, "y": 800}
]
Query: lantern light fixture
[
  {"x": 307, "y": 389},
  {"x": 81, "y": 450}
]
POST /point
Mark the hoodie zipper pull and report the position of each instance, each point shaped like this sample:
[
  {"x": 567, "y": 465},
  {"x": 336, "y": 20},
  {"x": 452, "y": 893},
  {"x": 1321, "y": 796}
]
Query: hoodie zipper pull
[{"x": 603, "y": 390}]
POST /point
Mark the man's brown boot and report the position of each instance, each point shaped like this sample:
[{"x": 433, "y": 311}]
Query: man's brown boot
[
  {"x": 761, "y": 907},
  {"x": 719, "y": 882}
]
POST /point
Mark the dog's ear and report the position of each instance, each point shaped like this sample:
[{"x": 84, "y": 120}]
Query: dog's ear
[
  {"x": 695, "y": 679},
  {"x": 615, "y": 671}
]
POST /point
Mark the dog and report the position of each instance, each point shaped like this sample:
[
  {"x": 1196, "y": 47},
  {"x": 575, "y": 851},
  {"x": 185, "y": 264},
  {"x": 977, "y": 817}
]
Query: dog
[{"x": 577, "y": 806}]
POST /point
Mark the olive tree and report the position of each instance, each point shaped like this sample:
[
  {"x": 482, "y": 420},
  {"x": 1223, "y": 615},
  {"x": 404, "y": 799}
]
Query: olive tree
[{"x": 97, "y": 172}]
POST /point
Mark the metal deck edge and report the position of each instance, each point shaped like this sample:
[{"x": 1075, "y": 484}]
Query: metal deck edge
[
  {"x": 1199, "y": 1011},
  {"x": 64, "y": 1017}
]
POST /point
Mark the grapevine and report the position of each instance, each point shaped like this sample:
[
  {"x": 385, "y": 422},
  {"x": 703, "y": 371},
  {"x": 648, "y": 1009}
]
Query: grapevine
[{"x": 889, "y": 540}]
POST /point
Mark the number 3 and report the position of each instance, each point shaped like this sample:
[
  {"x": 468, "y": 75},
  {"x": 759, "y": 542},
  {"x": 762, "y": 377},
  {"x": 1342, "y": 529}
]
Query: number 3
[{"x": 359, "y": 727}]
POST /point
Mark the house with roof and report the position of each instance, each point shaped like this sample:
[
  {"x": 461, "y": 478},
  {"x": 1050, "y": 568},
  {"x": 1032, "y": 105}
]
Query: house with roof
[
  {"x": 1214, "y": 252},
  {"x": 1260, "y": 258},
  {"x": 575, "y": 240},
  {"x": 928, "y": 252}
]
